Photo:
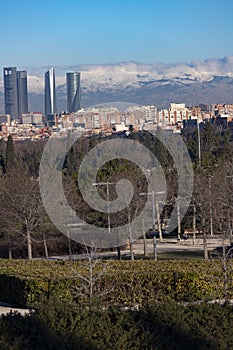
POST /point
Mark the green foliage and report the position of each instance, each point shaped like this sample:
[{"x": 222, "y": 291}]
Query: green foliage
[
  {"x": 71, "y": 162},
  {"x": 167, "y": 326},
  {"x": 31, "y": 156},
  {"x": 216, "y": 145},
  {"x": 152, "y": 143},
  {"x": 10, "y": 154},
  {"x": 130, "y": 283}
]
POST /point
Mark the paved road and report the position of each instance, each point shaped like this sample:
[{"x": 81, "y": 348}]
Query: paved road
[
  {"x": 171, "y": 245},
  {"x": 7, "y": 308},
  {"x": 167, "y": 245}
]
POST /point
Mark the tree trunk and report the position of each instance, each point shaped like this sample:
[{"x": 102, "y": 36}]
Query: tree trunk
[
  {"x": 154, "y": 248},
  {"x": 144, "y": 239},
  {"x": 45, "y": 248},
  {"x": 206, "y": 256},
  {"x": 119, "y": 253},
  {"x": 194, "y": 224},
  {"x": 69, "y": 248},
  {"x": 224, "y": 266},
  {"x": 10, "y": 251},
  {"x": 29, "y": 244},
  {"x": 131, "y": 250}
]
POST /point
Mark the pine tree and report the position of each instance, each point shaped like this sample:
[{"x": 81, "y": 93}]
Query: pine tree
[{"x": 10, "y": 154}]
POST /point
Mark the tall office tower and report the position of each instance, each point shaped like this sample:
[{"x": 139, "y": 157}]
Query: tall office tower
[
  {"x": 22, "y": 92},
  {"x": 10, "y": 91},
  {"x": 73, "y": 91},
  {"x": 50, "y": 93}
]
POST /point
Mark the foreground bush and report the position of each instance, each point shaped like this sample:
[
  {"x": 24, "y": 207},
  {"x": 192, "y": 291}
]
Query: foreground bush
[
  {"x": 165, "y": 326},
  {"x": 120, "y": 283}
]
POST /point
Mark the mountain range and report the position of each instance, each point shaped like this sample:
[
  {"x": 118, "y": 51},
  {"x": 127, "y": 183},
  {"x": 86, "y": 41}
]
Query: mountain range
[{"x": 208, "y": 81}]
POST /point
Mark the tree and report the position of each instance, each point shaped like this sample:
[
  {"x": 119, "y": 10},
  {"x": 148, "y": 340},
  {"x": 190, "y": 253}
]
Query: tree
[
  {"x": 10, "y": 154},
  {"x": 88, "y": 288},
  {"x": 21, "y": 209},
  {"x": 225, "y": 276},
  {"x": 202, "y": 205}
]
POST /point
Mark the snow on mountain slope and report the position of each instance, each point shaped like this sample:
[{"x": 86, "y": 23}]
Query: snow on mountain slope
[{"x": 132, "y": 75}]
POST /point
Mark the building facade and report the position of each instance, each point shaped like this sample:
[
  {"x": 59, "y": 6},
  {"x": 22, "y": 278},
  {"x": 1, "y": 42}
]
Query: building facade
[
  {"x": 22, "y": 92},
  {"x": 15, "y": 92},
  {"x": 73, "y": 92},
  {"x": 10, "y": 91},
  {"x": 50, "y": 93}
]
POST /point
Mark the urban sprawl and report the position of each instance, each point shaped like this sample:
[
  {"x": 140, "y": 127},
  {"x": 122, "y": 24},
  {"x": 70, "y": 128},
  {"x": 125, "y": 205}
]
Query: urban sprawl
[{"x": 100, "y": 119}]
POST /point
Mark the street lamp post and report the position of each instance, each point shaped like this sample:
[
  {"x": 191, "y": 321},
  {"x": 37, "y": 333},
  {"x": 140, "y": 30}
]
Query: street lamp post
[
  {"x": 194, "y": 224},
  {"x": 144, "y": 237},
  {"x": 228, "y": 209},
  {"x": 199, "y": 141},
  {"x": 108, "y": 211},
  {"x": 159, "y": 222},
  {"x": 178, "y": 222},
  {"x": 211, "y": 210},
  {"x": 152, "y": 193}
]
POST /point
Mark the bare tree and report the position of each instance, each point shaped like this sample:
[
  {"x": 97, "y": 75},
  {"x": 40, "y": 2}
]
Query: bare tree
[
  {"x": 200, "y": 200},
  {"x": 88, "y": 287},
  {"x": 21, "y": 209},
  {"x": 226, "y": 263},
  {"x": 214, "y": 202},
  {"x": 222, "y": 261}
]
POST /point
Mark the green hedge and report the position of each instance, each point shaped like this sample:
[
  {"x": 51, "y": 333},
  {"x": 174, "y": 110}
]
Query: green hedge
[
  {"x": 166, "y": 326},
  {"x": 125, "y": 282}
]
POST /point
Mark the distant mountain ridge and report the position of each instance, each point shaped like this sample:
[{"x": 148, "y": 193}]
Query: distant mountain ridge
[{"x": 208, "y": 81}]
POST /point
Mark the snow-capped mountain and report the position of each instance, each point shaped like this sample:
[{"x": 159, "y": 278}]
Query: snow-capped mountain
[
  {"x": 131, "y": 74},
  {"x": 206, "y": 81}
]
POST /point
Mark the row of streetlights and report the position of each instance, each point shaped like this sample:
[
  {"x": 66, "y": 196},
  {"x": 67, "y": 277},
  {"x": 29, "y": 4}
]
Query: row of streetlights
[{"x": 155, "y": 210}]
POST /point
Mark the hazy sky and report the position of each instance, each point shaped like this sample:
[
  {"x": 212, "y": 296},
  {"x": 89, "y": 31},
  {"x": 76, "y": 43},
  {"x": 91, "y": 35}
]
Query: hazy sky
[{"x": 67, "y": 32}]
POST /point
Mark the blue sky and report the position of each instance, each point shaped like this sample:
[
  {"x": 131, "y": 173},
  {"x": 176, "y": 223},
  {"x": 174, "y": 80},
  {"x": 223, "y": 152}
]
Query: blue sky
[{"x": 67, "y": 32}]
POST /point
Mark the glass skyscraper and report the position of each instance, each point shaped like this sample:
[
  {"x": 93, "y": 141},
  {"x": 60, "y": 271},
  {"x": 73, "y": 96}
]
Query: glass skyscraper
[
  {"x": 22, "y": 92},
  {"x": 10, "y": 91},
  {"x": 50, "y": 93},
  {"x": 73, "y": 91},
  {"x": 15, "y": 92}
]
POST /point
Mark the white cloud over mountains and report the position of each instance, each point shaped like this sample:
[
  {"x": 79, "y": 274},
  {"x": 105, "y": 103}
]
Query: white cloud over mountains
[{"x": 132, "y": 75}]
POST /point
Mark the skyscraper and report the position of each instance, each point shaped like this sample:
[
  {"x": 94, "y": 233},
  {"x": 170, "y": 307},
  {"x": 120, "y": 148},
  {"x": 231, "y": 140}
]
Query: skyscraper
[
  {"x": 15, "y": 92},
  {"x": 22, "y": 92},
  {"x": 73, "y": 91},
  {"x": 50, "y": 93},
  {"x": 10, "y": 91}
]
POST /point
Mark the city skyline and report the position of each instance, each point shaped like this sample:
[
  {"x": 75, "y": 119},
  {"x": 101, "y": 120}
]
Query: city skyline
[
  {"x": 15, "y": 91},
  {"x": 137, "y": 83},
  {"x": 103, "y": 32}
]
